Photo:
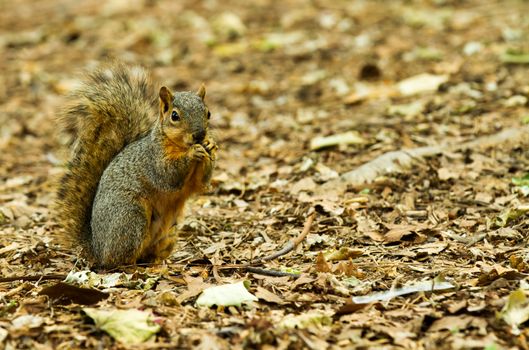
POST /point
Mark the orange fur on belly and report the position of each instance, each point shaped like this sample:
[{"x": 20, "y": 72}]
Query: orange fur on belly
[{"x": 166, "y": 209}]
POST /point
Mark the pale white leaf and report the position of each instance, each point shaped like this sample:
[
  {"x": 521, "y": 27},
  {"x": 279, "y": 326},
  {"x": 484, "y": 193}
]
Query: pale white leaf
[
  {"x": 126, "y": 326},
  {"x": 226, "y": 295},
  {"x": 421, "y": 83},
  {"x": 422, "y": 286},
  {"x": 346, "y": 138}
]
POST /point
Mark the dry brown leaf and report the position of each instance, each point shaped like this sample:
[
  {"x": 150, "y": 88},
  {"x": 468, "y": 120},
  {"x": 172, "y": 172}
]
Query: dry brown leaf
[
  {"x": 195, "y": 286},
  {"x": 348, "y": 269},
  {"x": 344, "y": 253},
  {"x": 451, "y": 323},
  {"x": 397, "y": 232},
  {"x": 305, "y": 184},
  {"x": 64, "y": 292},
  {"x": 321, "y": 264},
  {"x": 264, "y": 294}
]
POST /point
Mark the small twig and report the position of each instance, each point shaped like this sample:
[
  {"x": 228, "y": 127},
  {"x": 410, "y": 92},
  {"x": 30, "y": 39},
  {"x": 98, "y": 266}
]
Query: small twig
[
  {"x": 274, "y": 273},
  {"x": 293, "y": 243},
  {"x": 32, "y": 278},
  {"x": 215, "y": 271}
]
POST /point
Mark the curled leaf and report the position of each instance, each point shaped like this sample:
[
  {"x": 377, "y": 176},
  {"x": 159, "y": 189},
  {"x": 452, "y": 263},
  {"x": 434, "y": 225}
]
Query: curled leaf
[{"x": 343, "y": 253}]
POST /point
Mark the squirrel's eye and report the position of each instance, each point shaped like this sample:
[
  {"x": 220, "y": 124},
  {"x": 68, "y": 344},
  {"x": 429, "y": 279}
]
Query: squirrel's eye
[
  {"x": 209, "y": 114},
  {"x": 175, "y": 117}
]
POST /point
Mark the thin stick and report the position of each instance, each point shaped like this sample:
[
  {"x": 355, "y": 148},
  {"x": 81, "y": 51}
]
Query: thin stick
[
  {"x": 274, "y": 273},
  {"x": 32, "y": 278},
  {"x": 293, "y": 243}
]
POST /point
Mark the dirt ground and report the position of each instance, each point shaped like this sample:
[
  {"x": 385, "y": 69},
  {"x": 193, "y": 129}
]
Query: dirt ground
[{"x": 280, "y": 74}]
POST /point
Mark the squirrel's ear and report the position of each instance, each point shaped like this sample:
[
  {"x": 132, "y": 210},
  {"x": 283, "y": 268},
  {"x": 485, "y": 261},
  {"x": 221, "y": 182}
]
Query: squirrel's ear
[
  {"x": 166, "y": 99},
  {"x": 202, "y": 91}
]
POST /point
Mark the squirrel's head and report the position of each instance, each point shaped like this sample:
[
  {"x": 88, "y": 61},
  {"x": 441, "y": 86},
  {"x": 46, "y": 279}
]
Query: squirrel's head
[{"x": 184, "y": 116}]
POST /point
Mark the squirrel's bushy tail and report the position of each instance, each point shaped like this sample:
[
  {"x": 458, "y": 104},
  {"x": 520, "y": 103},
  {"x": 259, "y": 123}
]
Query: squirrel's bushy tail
[{"x": 114, "y": 106}]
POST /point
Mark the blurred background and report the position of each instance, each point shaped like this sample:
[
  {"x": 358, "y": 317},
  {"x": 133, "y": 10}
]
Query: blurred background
[{"x": 278, "y": 73}]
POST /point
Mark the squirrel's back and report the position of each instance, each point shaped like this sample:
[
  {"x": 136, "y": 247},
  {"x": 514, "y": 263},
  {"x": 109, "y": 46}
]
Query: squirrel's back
[{"x": 114, "y": 107}]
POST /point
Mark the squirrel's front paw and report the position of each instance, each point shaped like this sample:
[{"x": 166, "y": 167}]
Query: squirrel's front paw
[
  {"x": 210, "y": 146},
  {"x": 198, "y": 152}
]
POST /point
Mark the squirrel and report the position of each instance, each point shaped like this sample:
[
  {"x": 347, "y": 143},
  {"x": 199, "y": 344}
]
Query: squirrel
[{"x": 132, "y": 167}]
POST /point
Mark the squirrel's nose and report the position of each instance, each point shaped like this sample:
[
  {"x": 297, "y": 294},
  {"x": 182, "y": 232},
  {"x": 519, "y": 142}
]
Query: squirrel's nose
[{"x": 198, "y": 136}]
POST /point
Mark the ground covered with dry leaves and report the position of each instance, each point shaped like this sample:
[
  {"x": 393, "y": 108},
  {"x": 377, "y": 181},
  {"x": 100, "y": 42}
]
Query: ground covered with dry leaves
[{"x": 431, "y": 255}]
